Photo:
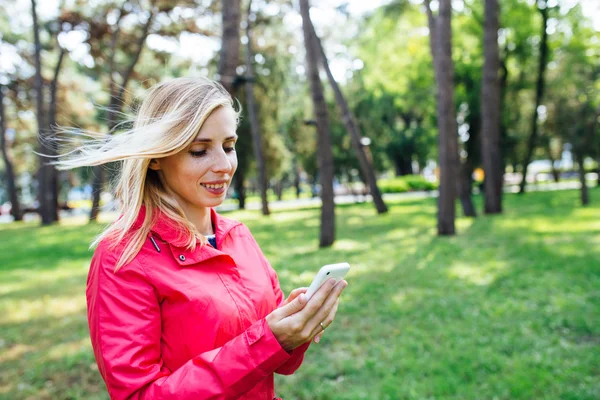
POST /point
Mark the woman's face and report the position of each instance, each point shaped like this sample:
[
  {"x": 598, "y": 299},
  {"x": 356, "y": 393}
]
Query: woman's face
[{"x": 200, "y": 174}]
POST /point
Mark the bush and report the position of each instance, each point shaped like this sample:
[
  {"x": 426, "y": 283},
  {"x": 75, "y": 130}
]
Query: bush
[{"x": 407, "y": 183}]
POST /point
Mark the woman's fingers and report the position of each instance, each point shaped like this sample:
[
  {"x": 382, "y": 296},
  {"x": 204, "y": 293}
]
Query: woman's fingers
[
  {"x": 313, "y": 325},
  {"x": 318, "y": 338},
  {"x": 293, "y": 294},
  {"x": 318, "y": 335},
  {"x": 300, "y": 303},
  {"x": 318, "y": 330},
  {"x": 316, "y": 301},
  {"x": 291, "y": 307}
]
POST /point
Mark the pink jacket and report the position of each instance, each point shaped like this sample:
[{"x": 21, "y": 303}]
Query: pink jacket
[{"x": 175, "y": 324}]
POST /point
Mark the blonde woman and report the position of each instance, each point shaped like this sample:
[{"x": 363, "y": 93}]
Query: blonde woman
[{"x": 182, "y": 303}]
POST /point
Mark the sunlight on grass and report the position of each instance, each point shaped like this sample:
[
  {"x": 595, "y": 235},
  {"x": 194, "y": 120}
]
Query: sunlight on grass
[
  {"x": 507, "y": 309},
  {"x": 346, "y": 244},
  {"x": 14, "y": 311},
  {"x": 477, "y": 275},
  {"x": 408, "y": 297},
  {"x": 15, "y": 352},
  {"x": 69, "y": 348},
  {"x": 23, "y": 280}
]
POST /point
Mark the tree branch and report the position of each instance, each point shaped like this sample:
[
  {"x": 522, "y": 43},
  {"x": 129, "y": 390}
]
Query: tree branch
[
  {"x": 114, "y": 36},
  {"x": 431, "y": 21},
  {"x": 53, "y": 89},
  {"x": 140, "y": 47}
]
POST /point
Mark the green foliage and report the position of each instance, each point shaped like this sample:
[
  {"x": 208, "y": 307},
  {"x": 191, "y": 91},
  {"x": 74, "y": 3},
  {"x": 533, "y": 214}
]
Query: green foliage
[
  {"x": 573, "y": 105},
  {"x": 395, "y": 92},
  {"x": 388, "y": 79},
  {"x": 405, "y": 183}
]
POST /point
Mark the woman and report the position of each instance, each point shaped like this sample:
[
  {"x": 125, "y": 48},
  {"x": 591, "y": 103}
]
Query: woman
[{"x": 182, "y": 304}]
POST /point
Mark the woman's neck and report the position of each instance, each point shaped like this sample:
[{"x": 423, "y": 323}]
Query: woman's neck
[{"x": 200, "y": 218}]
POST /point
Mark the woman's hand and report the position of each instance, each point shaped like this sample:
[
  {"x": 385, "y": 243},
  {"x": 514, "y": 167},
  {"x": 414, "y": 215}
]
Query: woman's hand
[
  {"x": 297, "y": 292},
  {"x": 297, "y": 321}
]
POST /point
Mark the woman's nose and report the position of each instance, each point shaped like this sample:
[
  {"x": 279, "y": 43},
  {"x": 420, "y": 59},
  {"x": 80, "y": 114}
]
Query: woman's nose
[{"x": 221, "y": 162}]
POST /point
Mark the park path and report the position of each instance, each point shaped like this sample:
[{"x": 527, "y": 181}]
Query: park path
[
  {"x": 311, "y": 202},
  {"x": 348, "y": 199}
]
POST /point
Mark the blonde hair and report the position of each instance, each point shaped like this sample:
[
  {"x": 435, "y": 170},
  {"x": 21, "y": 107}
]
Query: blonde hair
[{"x": 168, "y": 120}]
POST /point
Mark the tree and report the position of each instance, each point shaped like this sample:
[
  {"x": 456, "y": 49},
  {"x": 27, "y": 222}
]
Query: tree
[
  {"x": 352, "y": 128},
  {"x": 324, "y": 153},
  {"x": 440, "y": 34},
  {"x": 572, "y": 99},
  {"x": 117, "y": 89},
  {"x": 230, "y": 45},
  {"x": 539, "y": 93},
  {"x": 254, "y": 124},
  {"x": 490, "y": 112},
  {"x": 46, "y": 120},
  {"x": 44, "y": 173},
  {"x": 8, "y": 162},
  {"x": 393, "y": 88}
]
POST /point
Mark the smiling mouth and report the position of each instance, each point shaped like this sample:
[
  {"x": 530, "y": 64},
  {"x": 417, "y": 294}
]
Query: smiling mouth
[{"x": 215, "y": 186}]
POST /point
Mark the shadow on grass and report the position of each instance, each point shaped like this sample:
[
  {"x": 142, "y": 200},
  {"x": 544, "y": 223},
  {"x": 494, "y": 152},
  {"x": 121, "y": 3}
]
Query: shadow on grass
[
  {"x": 43, "y": 248},
  {"x": 509, "y": 308},
  {"x": 49, "y": 358},
  {"x": 499, "y": 311}
]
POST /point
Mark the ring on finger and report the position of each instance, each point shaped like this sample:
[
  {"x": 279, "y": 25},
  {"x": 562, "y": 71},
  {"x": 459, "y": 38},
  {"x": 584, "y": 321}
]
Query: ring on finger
[{"x": 322, "y": 325}]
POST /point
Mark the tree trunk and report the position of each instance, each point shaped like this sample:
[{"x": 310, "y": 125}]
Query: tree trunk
[
  {"x": 465, "y": 186},
  {"x": 585, "y": 200},
  {"x": 279, "y": 189},
  {"x": 99, "y": 172},
  {"x": 11, "y": 184},
  {"x": 503, "y": 124},
  {"x": 240, "y": 189},
  {"x": 254, "y": 124},
  {"x": 52, "y": 172},
  {"x": 44, "y": 188},
  {"x": 490, "y": 112},
  {"x": 324, "y": 152},
  {"x": 441, "y": 48},
  {"x": 403, "y": 165},
  {"x": 348, "y": 119},
  {"x": 555, "y": 172},
  {"x": 230, "y": 44},
  {"x": 296, "y": 176},
  {"x": 117, "y": 97},
  {"x": 539, "y": 92},
  {"x": 598, "y": 171}
]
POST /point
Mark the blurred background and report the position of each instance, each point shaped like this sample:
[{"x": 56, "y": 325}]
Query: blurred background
[{"x": 448, "y": 150}]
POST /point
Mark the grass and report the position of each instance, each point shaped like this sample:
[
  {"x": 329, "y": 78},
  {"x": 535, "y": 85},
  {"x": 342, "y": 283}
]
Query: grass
[{"x": 507, "y": 309}]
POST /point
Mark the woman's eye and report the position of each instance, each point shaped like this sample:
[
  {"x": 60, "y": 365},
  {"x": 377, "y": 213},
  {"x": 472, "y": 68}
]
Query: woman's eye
[
  {"x": 198, "y": 153},
  {"x": 229, "y": 149}
]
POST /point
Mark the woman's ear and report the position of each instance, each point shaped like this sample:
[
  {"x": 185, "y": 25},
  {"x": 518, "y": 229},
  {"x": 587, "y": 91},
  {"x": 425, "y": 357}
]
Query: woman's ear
[{"x": 154, "y": 164}]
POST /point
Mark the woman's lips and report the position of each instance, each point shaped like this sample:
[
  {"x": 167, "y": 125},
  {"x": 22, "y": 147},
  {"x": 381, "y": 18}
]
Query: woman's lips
[{"x": 215, "y": 188}]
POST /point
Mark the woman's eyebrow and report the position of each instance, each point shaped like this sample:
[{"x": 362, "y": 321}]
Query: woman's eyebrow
[{"x": 203, "y": 140}]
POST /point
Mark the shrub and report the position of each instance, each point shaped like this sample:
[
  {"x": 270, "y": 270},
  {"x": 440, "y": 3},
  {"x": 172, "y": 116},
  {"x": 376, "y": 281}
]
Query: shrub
[{"x": 406, "y": 183}]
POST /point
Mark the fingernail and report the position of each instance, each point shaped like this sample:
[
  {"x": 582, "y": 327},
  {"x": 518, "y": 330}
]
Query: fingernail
[
  {"x": 302, "y": 298},
  {"x": 317, "y": 339}
]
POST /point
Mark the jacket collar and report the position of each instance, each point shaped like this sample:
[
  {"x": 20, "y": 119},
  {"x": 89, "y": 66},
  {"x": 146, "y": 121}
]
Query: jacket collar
[{"x": 171, "y": 232}]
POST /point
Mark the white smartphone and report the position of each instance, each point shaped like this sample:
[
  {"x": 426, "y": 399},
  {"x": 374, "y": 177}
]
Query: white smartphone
[{"x": 337, "y": 271}]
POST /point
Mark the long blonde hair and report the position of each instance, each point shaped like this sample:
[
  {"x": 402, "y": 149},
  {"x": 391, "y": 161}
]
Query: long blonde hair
[{"x": 168, "y": 120}]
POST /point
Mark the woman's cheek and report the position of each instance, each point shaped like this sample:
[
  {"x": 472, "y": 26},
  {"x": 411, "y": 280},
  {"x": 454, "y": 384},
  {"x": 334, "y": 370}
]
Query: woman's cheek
[{"x": 234, "y": 163}]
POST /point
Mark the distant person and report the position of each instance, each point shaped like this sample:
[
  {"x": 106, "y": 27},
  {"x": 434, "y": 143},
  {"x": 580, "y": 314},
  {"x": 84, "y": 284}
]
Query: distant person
[{"x": 182, "y": 304}]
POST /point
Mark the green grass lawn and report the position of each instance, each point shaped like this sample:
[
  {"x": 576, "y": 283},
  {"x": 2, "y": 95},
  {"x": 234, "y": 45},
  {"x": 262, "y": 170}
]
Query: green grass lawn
[{"x": 507, "y": 309}]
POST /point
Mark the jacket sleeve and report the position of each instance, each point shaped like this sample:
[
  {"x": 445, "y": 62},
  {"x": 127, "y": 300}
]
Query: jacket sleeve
[
  {"x": 297, "y": 355},
  {"x": 125, "y": 329}
]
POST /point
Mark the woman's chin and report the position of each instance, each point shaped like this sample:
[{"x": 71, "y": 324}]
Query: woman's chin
[{"x": 213, "y": 201}]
